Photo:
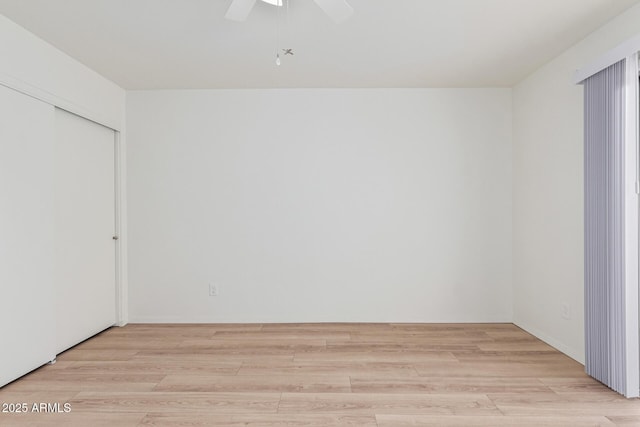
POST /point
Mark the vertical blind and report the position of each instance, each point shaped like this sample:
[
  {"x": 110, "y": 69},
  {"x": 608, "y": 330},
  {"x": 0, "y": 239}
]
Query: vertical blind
[{"x": 604, "y": 222}]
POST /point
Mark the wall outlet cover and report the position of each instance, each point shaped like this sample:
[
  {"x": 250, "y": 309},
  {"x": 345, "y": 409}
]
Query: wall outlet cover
[{"x": 213, "y": 291}]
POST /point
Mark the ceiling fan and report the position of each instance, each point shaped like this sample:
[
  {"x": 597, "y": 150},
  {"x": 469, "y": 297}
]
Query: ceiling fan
[{"x": 338, "y": 10}]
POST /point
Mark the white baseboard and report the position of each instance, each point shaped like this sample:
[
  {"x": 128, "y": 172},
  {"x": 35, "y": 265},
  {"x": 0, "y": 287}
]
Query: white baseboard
[
  {"x": 576, "y": 354},
  {"x": 206, "y": 319}
]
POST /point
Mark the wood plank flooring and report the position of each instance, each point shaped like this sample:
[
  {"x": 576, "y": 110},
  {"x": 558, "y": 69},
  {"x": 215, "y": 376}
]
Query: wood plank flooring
[{"x": 382, "y": 375}]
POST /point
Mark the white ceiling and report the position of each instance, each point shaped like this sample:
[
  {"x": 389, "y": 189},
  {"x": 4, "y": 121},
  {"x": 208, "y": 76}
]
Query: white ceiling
[{"x": 182, "y": 44}]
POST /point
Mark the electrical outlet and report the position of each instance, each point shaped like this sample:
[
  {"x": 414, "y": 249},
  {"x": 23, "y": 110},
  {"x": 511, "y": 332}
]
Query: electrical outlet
[
  {"x": 566, "y": 311},
  {"x": 213, "y": 290}
]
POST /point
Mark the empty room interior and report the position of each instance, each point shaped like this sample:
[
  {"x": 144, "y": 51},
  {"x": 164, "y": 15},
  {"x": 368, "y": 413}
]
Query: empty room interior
[{"x": 319, "y": 213}]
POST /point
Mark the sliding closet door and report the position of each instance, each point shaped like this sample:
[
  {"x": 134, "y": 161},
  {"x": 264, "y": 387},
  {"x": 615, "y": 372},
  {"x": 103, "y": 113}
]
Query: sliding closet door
[
  {"x": 84, "y": 229},
  {"x": 26, "y": 234}
]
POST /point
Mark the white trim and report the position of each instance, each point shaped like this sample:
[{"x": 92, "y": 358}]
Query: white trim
[
  {"x": 618, "y": 53},
  {"x": 120, "y": 230},
  {"x": 573, "y": 353},
  {"x": 124, "y": 233},
  {"x": 55, "y": 100},
  {"x": 270, "y": 319},
  {"x": 632, "y": 321}
]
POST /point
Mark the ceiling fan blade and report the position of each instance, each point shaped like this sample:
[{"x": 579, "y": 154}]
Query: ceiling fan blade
[
  {"x": 338, "y": 10},
  {"x": 239, "y": 10}
]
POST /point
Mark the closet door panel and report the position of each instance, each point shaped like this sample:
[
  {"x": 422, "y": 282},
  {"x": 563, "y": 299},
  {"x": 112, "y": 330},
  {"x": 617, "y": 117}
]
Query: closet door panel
[
  {"x": 84, "y": 229},
  {"x": 26, "y": 234}
]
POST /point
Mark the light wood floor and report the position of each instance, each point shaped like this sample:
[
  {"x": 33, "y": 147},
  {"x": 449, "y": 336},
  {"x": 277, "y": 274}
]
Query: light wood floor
[{"x": 389, "y": 375}]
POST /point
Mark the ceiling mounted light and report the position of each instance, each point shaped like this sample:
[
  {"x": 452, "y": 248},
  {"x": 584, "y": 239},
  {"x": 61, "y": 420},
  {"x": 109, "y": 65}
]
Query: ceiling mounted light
[{"x": 337, "y": 10}]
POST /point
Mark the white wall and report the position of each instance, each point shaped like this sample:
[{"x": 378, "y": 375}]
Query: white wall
[
  {"x": 548, "y": 191},
  {"x": 320, "y": 205},
  {"x": 32, "y": 65}
]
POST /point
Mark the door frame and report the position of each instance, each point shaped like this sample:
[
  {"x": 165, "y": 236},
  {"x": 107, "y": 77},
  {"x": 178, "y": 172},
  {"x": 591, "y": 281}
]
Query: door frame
[{"x": 122, "y": 284}]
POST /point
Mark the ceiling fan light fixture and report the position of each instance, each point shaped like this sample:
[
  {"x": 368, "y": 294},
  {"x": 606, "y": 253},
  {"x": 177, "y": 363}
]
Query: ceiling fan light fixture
[{"x": 337, "y": 10}]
